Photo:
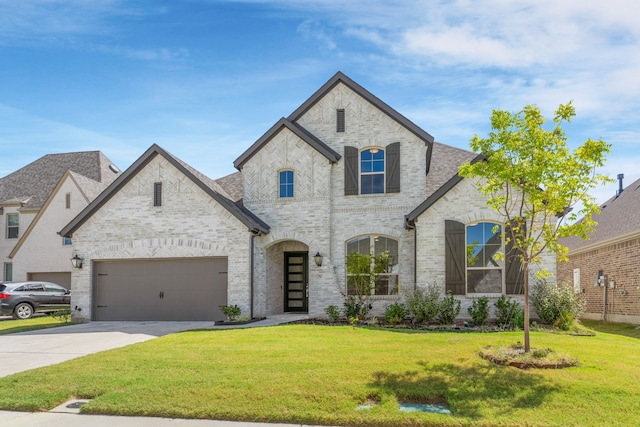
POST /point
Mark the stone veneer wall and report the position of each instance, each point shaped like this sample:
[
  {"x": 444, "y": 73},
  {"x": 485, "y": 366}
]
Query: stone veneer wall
[
  {"x": 619, "y": 262},
  {"x": 188, "y": 224}
]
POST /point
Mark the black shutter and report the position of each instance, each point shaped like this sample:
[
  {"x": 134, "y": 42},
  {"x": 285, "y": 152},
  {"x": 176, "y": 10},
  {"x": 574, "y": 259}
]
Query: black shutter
[
  {"x": 393, "y": 168},
  {"x": 514, "y": 275},
  {"x": 455, "y": 262},
  {"x": 350, "y": 171}
]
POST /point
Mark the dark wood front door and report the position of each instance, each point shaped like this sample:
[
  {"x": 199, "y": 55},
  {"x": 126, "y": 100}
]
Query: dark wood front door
[{"x": 296, "y": 283}]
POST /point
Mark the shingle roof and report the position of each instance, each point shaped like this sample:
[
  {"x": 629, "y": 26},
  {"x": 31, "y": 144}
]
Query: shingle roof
[
  {"x": 620, "y": 215},
  {"x": 212, "y": 188},
  {"x": 233, "y": 185},
  {"x": 34, "y": 182}
]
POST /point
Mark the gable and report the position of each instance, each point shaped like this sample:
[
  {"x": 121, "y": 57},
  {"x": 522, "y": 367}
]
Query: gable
[{"x": 252, "y": 222}]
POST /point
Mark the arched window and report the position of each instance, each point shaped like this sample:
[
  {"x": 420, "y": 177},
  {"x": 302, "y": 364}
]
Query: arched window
[
  {"x": 372, "y": 171},
  {"x": 286, "y": 184},
  {"x": 372, "y": 257}
]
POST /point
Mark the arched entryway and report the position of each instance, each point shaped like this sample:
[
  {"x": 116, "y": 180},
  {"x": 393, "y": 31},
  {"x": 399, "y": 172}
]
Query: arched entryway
[{"x": 288, "y": 277}]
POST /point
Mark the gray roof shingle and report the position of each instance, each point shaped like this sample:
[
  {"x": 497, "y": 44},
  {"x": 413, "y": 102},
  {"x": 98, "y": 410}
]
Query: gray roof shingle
[
  {"x": 34, "y": 182},
  {"x": 620, "y": 215}
]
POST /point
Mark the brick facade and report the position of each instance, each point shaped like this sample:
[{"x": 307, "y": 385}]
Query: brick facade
[{"x": 620, "y": 262}]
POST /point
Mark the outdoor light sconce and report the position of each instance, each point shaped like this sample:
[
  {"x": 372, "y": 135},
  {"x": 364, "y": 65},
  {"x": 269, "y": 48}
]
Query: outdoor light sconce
[
  {"x": 318, "y": 258},
  {"x": 76, "y": 261}
]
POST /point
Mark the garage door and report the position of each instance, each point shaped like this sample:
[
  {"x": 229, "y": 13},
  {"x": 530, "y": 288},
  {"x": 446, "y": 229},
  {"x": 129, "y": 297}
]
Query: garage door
[
  {"x": 170, "y": 289},
  {"x": 62, "y": 279}
]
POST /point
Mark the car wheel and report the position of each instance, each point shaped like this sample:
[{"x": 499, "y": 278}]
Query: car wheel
[{"x": 23, "y": 311}]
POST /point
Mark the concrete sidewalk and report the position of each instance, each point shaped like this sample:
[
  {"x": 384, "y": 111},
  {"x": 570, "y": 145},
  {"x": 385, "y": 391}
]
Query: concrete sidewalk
[{"x": 49, "y": 419}]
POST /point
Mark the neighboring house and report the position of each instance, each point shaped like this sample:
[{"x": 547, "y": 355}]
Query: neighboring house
[
  {"x": 36, "y": 201},
  {"x": 606, "y": 268},
  {"x": 343, "y": 173}
]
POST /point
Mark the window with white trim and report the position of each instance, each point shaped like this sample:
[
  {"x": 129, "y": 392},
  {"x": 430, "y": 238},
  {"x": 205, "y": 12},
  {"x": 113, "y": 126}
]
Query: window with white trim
[{"x": 13, "y": 222}]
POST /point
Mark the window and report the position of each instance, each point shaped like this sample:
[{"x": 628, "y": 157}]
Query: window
[
  {"x": 471, "y": 264},
  {"x": 484, "y": 269},
  {"x": 12, "y": 225},
  {"x": 67, "y": 201},
  {"x": 66, "y": 241},
  {"x": 340, "y": 120},
  {"x": 157, "y": 194},
  {"x": 372, "y": 255},
  {"x": 372, "y": 171},
  {"x": 286, "y": 184},
  {"x": 8, "y": 272}
]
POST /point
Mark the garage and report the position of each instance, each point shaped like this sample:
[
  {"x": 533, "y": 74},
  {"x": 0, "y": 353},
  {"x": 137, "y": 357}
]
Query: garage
[
  {"x": 166, "y": 289},
  {"x": 61, "y": 278}
]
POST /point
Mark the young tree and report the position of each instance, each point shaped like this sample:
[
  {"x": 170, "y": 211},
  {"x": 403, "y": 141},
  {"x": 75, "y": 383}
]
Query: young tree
[{"x": 530, "y": 176}]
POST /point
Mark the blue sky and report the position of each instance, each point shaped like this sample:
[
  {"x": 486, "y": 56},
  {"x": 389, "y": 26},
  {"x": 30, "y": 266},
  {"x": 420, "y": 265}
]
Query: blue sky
[{"x": 204, "y": 79}]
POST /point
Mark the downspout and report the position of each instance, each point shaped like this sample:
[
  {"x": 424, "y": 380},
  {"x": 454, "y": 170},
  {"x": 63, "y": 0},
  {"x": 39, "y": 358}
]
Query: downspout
[
  {"x": 411, "y": 225},
  {"x": 251, "y": 273}
]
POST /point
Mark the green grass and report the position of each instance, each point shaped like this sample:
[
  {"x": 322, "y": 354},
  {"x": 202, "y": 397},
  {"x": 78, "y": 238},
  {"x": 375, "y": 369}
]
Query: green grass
[
  {"x": 320, "y": 374},
  {"x": 44, "y": 322}
]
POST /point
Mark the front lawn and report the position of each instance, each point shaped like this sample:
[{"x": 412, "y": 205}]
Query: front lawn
[
  {"x": 321, "y": 374},
  {"x": 24, "y": 325}
]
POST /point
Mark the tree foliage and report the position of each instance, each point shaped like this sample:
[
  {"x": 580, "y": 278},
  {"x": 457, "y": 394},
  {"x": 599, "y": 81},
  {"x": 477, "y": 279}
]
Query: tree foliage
[{"x": 531, "y": 177}]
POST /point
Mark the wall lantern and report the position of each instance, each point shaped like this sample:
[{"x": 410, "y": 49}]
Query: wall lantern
[
  {"x": 76, "y": 261},
  {"x": 318, "y": 258}
]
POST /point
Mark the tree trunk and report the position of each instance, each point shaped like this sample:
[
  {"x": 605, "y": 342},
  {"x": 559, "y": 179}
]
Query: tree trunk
[{"x": 527, "y": 344}]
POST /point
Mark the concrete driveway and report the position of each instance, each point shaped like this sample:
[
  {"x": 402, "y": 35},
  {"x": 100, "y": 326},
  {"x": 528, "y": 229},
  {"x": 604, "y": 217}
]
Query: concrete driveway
[
  {"x": 35, "y": 349},
  {"x": 28, "y": 350}
]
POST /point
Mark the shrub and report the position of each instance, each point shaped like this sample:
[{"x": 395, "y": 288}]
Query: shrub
[
  {"x": 355, "y": 307},
  {"x": 448, "y": 309},
  {"x": 422, "y": 304},
  {"x": 508, "y": 312},
  {"x": 395, "y": 313},
  {"x": 479, "y": 310},
  {"x": 333, "y": 314},
  {"x": 557, "y": 305},
  {"x": 63, "y": 315},
  {"x": 231, "y": 311}
]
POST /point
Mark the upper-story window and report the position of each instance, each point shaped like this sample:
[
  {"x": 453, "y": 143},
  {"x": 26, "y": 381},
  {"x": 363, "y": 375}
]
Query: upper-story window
[
  {"x": 67, "y": 201},
  {"x": 286, "y": 184},
  {"x": 372, "y": 266},
  {"x": 12, "y": 225},
  {"x": 372, "y": 171}
]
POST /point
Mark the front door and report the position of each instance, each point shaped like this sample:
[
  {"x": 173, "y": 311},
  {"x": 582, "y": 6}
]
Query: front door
[{"x": 296, "y": 283}]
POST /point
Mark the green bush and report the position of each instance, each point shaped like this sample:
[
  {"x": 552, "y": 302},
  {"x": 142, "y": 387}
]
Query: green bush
[
  {"x": 356, "y": 308},
  {"x": 422, "y": 304},
  {"x": 448, "y": 309},
  {"x": 508, "y": 312},
  {"x": 231, "y": 311},
  {"x": 395, "y": 313},
  {"x": 333, "y": 314},
  {"x": 557, "y": 305},
  {"x": 479, "y": 310}
]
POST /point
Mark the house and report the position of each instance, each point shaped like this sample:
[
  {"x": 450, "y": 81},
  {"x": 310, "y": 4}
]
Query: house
[
  {"x": 36, "y": 201},
  {"x": 606, "y": 267},
  {"x": 343, "y": 173}
]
